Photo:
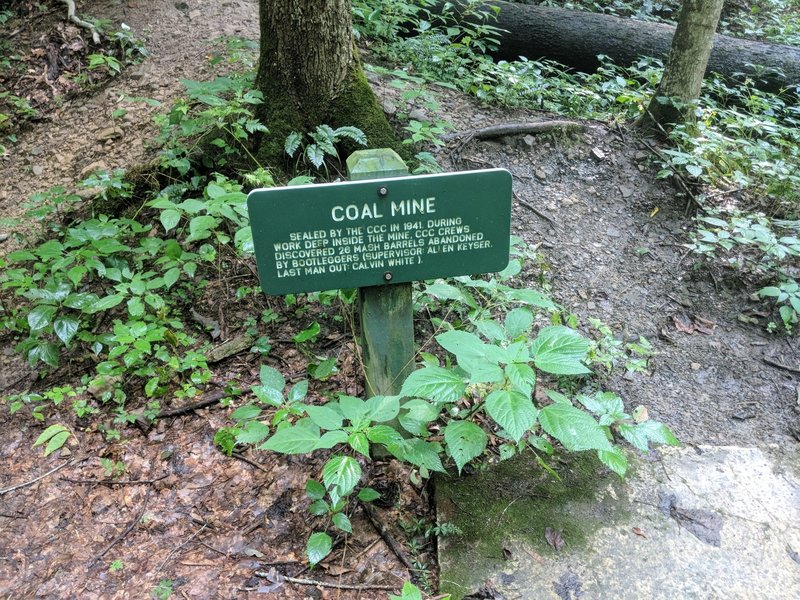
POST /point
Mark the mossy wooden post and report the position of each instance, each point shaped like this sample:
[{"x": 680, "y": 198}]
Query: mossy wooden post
[{"x": 387, "y": 327}]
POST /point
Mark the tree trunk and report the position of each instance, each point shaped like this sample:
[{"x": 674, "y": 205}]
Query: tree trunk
[
  {"x": 680, "y": 85},
  {"x": 310, "y": 75},
  {"x": 575, "y": 38}
]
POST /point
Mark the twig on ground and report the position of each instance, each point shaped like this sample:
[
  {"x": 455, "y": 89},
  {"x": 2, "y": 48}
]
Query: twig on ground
[
  {"x": 208, "y": 400},
  {"x": 252, "y": 463},
  {"x": 777, "y": 365},
  {"x": 534, "y": 210},
  {"x": 681, "y": 181},
  {"x": 80, "y": 22},
  {"x": 171, "y": 554},
  {"x": 503, "y": 129},
  {"x": 32, "y": 481},
  {"x": 337, "y": 586},
  {"x": 387, "y": 536},
  {"x": 113, "y": 481},
  {"x": 122, "y": 535}
]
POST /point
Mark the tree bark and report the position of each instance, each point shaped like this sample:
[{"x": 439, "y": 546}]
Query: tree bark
[
  {"x": 576, "y": 38},
  {"x": 310, "y": 75},
  {"x": 680, "y": 85}
]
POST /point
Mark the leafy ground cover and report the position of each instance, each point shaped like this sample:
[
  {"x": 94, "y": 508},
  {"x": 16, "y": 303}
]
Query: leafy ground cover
[{"x": 122, "y": 305}]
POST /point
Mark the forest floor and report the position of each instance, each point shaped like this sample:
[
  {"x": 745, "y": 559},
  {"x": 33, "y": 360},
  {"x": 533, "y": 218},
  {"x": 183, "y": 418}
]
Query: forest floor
[{"x": 612, "y": 248}]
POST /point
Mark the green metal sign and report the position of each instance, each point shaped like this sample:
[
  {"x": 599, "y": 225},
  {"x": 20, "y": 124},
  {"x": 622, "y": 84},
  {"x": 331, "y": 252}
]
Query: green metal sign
[{"x": 364, "y": 233}]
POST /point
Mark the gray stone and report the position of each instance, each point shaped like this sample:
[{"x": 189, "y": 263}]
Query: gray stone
[
  {"x": 529, "y": 140},
  {"x": 418, "y": 114},
  {"x": 109, "y": 133},
  {"x": 711, "y": 522},
  {"x": 540, "y": 174},
  {"x": 626, "y": 191},
  {"x": 389, "y": 107},
  {"x": 3, "y": 237},
  {"x": 598, "y": 154},
  {"x": 38, "y": 170}
]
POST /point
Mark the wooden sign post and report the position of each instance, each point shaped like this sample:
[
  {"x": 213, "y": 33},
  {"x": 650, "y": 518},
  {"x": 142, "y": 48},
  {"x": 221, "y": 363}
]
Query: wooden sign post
[{"x": 378, "y": 232}]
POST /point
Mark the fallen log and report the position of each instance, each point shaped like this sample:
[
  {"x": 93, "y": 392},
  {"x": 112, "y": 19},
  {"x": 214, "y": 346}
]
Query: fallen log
[{"x": 576, "y": 38}]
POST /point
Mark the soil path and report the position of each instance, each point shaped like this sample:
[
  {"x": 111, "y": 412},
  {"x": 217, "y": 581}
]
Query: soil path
[{"x": 611, "y": 255}]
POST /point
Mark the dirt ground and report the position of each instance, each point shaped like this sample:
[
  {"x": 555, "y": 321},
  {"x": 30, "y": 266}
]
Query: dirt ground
[{"x": 207, "y": 522}]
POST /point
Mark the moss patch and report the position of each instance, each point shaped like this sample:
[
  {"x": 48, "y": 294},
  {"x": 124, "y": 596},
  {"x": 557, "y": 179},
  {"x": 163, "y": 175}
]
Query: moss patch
[{"x": 518, "y": 500}]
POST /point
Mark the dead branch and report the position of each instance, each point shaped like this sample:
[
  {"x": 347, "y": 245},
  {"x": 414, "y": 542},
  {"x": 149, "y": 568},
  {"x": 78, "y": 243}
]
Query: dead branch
[
  {"x": 208, "y": 400},
  {"x": 252, "y": 463},
  {"x": 113, "y": 481},
  {"x": 80, "y": 22},
  {"x": 338, "y": 586},
  {"x": 387, "y": 536},
  {"x": 777, "y": 365},
  {"x": 534, "y": 210},
  {"x": 504, "y": 129},
  {"x": 32, "y": 481},
  {"x": 122, "y": 535},
  {"x": 171, "y": 554}
]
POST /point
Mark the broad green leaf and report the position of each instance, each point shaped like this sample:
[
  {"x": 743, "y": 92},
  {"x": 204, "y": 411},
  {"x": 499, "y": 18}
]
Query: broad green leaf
[
  {"x": 512, "y": 410},
  {"x": 382, "y": 408},
  {"x": 639, "y": 436},
  {"x": 81, "y": 301},
  {"x": 56, "y": 442},
  {"x": 522, "y": 377},
  {"x": 421, "y": 410},
  {"x": 615, "y": 460},
  {"x": 330, "y": 439},
  {"x": 47, "y": 352},
  {"x": 367, "y": 494},
  {"x": 106, "y": 303},
  {"x": 171, "y": 276},
  {"x": 434, "y": 383},
  {"x": 480, "y": 360},
  {"x": 325, "y": 417},
  {"x": 318, "y": 547},
  {"x": 169, "y": 218},
  {"x": 491, "y": 330},
  {"x": 40, "y": 317},
  {"x": 418, "y": 452},
  {"x": 292, "y": 440},
  {"x": 409, "y": 592},
  {"x": 354, "y": 409},
  {"x": 606, "y": 404},
  {"x": 298, "y": 391},
  {"x": 518, "y": 322},
  {"x": 342, "y": 472},
  {"x": 319, "y": 508},
  {"x": 560, "y": 350},
  {"x": 272, "y": 378},
  {"x": 309, "y": 333},
  {"x": 314, "y": 490},
  {"x": 575, "y": 429},
  {"x": 252, "y": 433},
  {"x": 200, "y": 226},
  {"x": 342, "y": 522},
  {"x": 267, "y": 395},
  {"x": 49, "y": 433},
  {"x": 445, "y": 291},
  {"x": 358, "y": 442},
  {"x": 66, "y": 328},
  {"x": 531, "y": 297},
  {"x": 135, "y": 307},
  {"x": 383, "y": 434},
  {"x": 464, "y": 441}
]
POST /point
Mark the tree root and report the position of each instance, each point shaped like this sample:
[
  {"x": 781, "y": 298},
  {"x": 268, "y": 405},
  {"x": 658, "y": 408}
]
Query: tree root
[{"x": 80, "y": 22}]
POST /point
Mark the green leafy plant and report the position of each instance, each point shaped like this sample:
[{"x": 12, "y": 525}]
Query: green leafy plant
[
  {"x": 54, "y": 438},
  {"x": 163, "y": 590},
  {"x": 323, "y": 143},
  {"x": 116, "y": 565},
  {"x": 787, "y": 297}
]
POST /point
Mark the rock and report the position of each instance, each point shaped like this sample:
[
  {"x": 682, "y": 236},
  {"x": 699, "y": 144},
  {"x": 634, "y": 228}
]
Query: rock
[
  {"x": 389, "y": 107},
  {"x": 35, "y": 151},
  {"x": 613, "y": 232},
  {"x": 3, "y": 237},
  {"x": 97, "y": 165},
  {"x": 109, "y": 133},
  {"x": 529, "y": 140},
  {"x": 598, "y": 154},
  {"x": 696, "y": 366},
  {"x": 639, "y": 156},
  {"x": 626, "y": 191},
  {"x": 195, "y": 14},
  {"x": 540, "y": 174},
  {"x": 418, "y": 114},
  {"x": 38, "y": 170}
]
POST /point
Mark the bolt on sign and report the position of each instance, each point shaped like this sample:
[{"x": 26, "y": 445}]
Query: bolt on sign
[{"x": 364, "y": 233}]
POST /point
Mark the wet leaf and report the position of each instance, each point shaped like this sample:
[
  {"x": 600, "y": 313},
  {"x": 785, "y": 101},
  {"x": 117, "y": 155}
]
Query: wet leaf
[{"x": 554, "y": 538}]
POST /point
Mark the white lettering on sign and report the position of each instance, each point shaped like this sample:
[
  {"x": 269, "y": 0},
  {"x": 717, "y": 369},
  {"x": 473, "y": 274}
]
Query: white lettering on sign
[{"x": 375, "y": 246}]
